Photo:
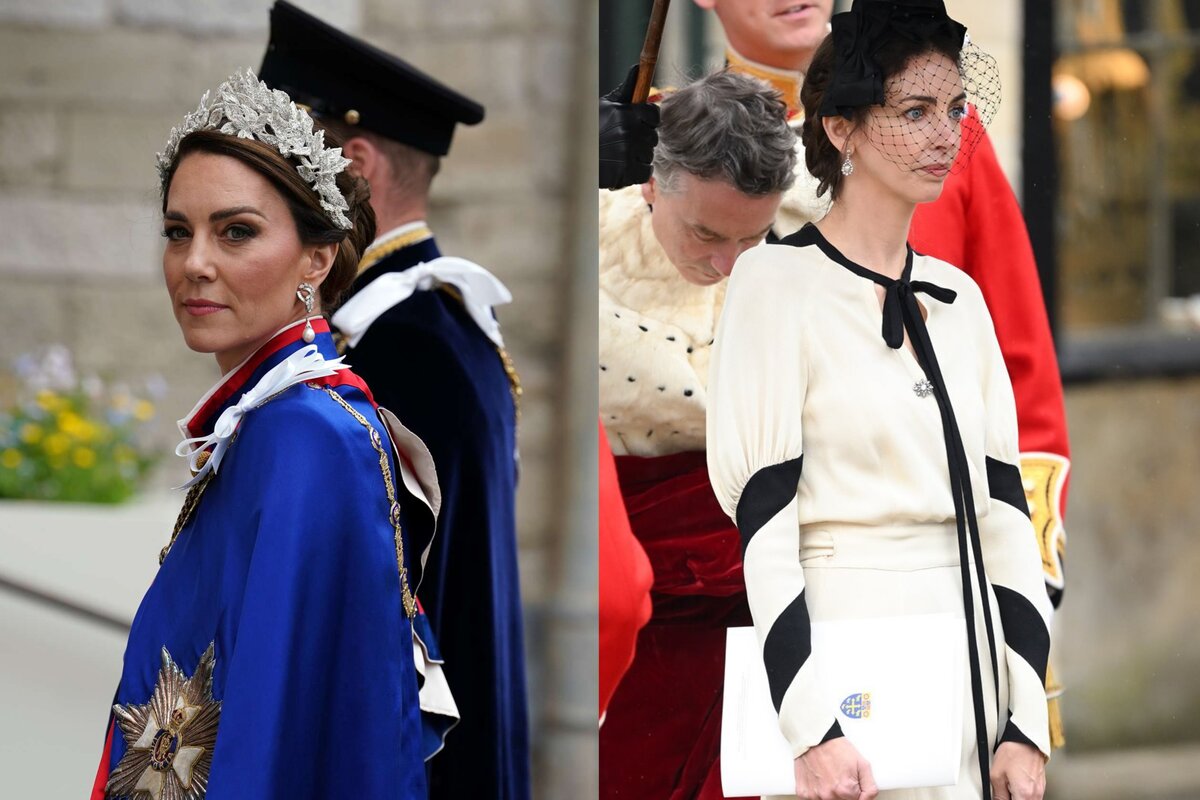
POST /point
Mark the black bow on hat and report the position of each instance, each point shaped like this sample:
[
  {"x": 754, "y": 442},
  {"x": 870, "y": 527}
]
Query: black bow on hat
[{"x": 858, "y": 35}]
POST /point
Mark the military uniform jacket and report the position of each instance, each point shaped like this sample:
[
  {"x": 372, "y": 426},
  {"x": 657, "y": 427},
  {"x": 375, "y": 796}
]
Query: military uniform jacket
[{"x": 430, "y": 362}]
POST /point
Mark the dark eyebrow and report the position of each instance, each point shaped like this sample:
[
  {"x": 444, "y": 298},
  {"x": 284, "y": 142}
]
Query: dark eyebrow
[
  {"x": 702, "y": 229},
  {"x": 927, "y": 99},
  {"x": 224, "y": 213}
]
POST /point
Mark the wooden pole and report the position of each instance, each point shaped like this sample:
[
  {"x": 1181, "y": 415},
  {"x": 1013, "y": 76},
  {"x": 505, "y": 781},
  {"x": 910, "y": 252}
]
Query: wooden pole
[{"x": 649, "y": 57}]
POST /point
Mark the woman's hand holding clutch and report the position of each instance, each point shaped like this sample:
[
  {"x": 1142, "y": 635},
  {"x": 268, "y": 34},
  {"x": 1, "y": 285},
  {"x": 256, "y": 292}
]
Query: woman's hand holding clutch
[
  {"x": 834, "y": 770},
  {"x": 1018, "y": 772}
]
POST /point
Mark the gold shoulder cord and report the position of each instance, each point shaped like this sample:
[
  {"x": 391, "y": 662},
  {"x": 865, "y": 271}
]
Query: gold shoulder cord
[
  {"x": 189, "y": 505},
  {"x": 410, "y": 606}
]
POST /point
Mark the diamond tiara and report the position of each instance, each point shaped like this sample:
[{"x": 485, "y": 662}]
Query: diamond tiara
[{"x": 249, "y": 109}]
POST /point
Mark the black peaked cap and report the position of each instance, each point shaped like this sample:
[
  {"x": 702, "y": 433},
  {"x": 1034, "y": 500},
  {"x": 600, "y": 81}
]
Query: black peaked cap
[{"x": 341, "y": 77}]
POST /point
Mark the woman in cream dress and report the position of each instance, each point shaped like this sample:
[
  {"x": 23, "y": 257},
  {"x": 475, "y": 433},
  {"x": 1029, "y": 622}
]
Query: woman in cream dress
[{"x": 873, "y": 473}]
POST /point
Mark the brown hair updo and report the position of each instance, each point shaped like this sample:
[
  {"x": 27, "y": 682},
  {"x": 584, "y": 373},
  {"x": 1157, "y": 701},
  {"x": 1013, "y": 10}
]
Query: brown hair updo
[
  {"x": 312, "y": 222},
  {"x": 824, "y": 160}
]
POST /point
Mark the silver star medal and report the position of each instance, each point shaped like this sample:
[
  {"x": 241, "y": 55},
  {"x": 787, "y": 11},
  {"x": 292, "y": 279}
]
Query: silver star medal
[{"x": 171, "y": 738}]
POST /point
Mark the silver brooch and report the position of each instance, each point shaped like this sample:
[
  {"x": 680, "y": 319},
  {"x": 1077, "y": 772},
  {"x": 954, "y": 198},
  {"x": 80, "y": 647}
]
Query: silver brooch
[
  {"x": 249, "y": 109},
  {"x": 923, "y": 388}
]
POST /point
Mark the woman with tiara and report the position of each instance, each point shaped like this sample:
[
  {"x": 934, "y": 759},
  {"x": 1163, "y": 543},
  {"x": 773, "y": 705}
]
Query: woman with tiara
[{"x": 273, "y": 655}]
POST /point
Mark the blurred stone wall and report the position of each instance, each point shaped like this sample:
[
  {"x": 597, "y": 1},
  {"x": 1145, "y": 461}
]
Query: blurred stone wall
[
  {"x": 1126, "y": 633},
  {"x": 88, "y": 92}
]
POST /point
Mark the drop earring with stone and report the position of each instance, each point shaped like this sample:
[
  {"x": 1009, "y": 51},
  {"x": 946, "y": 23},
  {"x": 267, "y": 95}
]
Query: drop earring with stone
[{"x": 306, "y": 294}]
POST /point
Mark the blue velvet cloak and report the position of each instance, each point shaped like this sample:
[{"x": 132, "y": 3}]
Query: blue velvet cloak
[
  {"x": 429, "y": 363},
  {"x": 288, "y": 567}
]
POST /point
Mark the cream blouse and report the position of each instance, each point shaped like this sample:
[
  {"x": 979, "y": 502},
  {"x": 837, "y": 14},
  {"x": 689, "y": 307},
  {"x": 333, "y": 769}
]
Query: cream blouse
[{"x": 813, "y": 418}]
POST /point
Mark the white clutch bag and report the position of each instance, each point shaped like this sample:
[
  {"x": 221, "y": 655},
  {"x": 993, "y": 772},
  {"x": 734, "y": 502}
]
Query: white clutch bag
[{"x": 897, "y": 687}]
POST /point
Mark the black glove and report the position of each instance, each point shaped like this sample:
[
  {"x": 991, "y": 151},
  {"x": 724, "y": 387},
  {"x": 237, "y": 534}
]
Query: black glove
[{"x": 627, "y": 136}]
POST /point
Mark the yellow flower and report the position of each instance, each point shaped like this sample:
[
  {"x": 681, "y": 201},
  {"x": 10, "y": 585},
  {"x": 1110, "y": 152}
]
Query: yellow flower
[
  {"x": 143, "y": 410},
  {"x": 84, "y": 457},
  {"x": 49, "y": 401},
  {"x": 31, "y": 433},
  {"x": 56, "y": 444},
  {"x": 76, "y": 426},
  {"x": 10, "y": 458}
]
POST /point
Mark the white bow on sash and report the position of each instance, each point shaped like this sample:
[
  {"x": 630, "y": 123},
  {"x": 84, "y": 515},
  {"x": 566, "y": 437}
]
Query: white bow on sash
[
  {"x": 480, "y": 290},
  {"x": 306, "y": 364}
]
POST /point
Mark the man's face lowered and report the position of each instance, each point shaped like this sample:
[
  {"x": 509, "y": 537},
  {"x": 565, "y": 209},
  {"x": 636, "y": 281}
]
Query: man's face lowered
[{"x": 704, "y": 225}]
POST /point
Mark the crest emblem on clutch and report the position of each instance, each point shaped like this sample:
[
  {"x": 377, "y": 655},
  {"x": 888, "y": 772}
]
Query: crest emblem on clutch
[{"x": 857, "y": 705}]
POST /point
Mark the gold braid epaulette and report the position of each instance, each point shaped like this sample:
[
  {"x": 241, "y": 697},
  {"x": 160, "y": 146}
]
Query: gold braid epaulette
[
  {"x": 410, "y": 605},
  {"x": 376, "y": 253}
]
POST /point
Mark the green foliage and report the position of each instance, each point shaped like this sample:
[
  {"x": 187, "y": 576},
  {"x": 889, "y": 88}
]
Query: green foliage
[{"x": 62, "y": 438}]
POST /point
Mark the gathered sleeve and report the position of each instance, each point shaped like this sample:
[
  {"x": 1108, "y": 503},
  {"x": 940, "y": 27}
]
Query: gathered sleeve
[
  {"x": 1013, "y": 562},
  {"x": 320, "y": 691},
  {"x": 757, "y": 387}
]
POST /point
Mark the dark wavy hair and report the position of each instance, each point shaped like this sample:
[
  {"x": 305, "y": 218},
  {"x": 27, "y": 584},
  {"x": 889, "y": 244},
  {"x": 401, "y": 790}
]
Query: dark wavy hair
[
  {"x": 824, "y": 160},
  {"x": 312, "y": 223}
]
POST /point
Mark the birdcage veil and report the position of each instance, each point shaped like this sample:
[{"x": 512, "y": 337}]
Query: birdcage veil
[{"x": 931, "y": 91}]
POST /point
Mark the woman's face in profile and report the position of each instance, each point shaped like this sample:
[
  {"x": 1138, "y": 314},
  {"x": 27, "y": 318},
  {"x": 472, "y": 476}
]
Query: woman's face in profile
[{"x": 233, "y": 259}]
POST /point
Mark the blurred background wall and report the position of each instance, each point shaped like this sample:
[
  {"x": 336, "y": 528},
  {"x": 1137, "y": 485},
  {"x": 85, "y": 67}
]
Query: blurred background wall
[
  {"x": 1099, "y": 134},
  {"x": 88, "y": 92}
]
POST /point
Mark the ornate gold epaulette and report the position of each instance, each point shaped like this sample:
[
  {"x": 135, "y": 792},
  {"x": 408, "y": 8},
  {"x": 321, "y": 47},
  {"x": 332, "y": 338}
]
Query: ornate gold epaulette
[{"x": 376, "y": 253}]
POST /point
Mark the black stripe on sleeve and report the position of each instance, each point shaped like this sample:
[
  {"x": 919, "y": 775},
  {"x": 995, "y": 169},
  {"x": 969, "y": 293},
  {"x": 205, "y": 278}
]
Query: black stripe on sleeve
[
  {"x": 787, "y": 647},
  {"x": 1004, "y": 481},
  {"x": 1024, "y": 630},
  {"x": 1014, "y": 734},
  {"x": 766, "y": 494},
  {"x": 834, "y": 732}
]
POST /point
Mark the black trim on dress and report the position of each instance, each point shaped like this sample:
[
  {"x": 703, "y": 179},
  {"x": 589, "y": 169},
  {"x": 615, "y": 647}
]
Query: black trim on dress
[
  {"x": 788, "y": 645},
  {"x": 766, "y": 494},
  {"x": 1024, "y": 629},
  {"x": 1005, "y": 484}
]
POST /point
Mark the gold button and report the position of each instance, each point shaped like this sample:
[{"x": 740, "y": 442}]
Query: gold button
[{"x": 352, "y": 117}]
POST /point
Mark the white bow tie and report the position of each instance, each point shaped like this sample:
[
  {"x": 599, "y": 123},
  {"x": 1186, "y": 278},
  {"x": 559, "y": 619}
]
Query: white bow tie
[{"x": 306, "y": 364}]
